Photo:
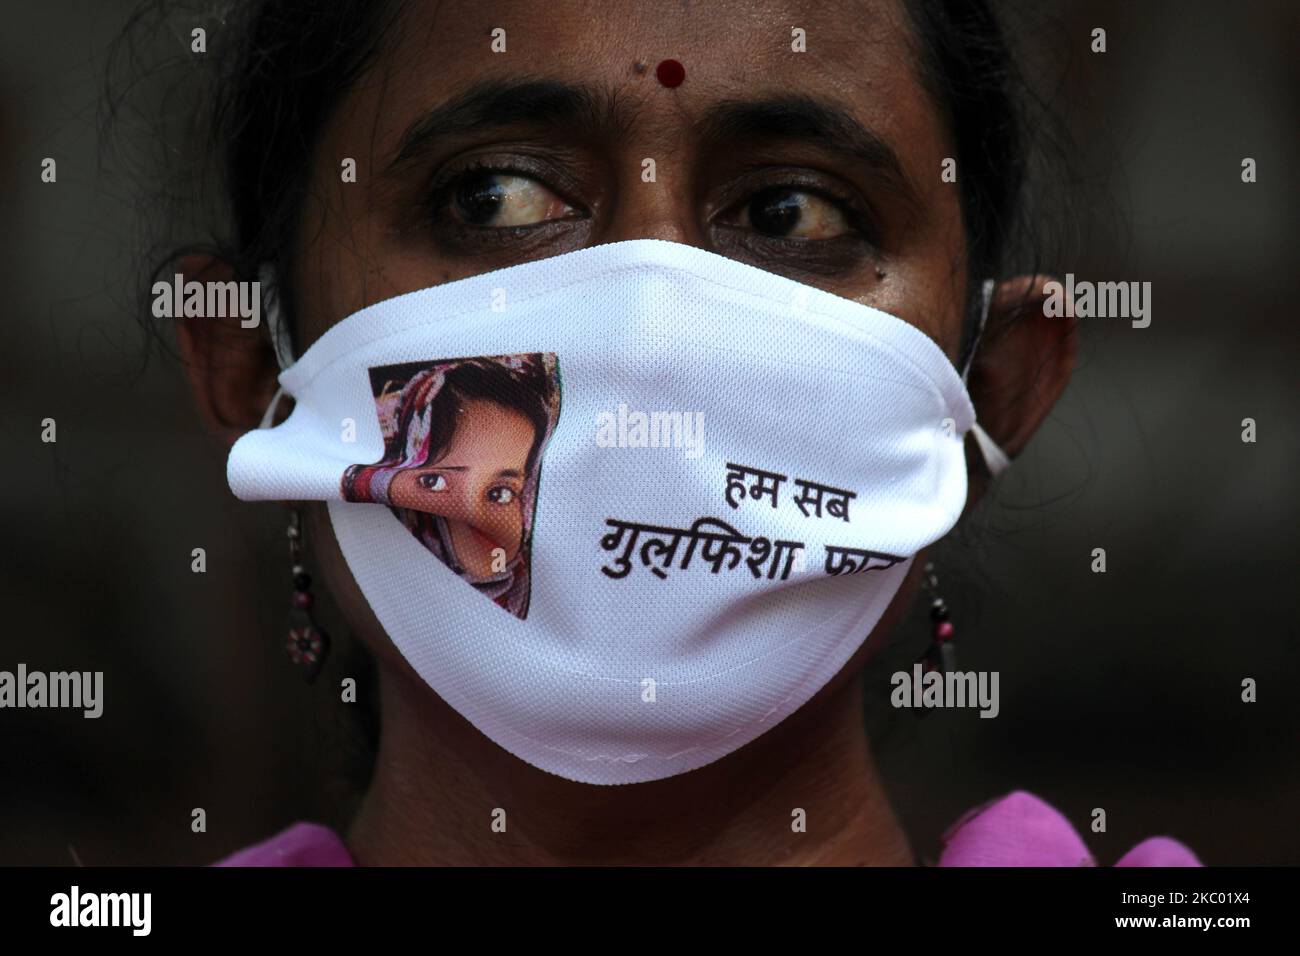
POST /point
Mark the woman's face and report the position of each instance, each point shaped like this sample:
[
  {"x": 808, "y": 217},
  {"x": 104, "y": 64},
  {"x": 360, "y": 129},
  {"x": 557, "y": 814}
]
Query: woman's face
[
  {"x": 823, "y": 166},
  {"x": 476, "y": 485}
]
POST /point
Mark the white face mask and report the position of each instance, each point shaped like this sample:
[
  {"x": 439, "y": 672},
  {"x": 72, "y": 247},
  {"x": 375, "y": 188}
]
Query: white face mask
[{"x": 626, "y": 508}]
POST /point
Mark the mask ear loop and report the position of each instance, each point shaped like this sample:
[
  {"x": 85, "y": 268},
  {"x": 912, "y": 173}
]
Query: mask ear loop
[
  {"x": 279, "y": 334},
  {"x": 995, "y": 459}
]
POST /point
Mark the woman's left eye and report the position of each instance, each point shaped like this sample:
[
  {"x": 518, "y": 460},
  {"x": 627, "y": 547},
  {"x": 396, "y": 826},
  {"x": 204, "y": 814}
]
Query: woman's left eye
[
  {"x": 501, "y": 495},
  {"x": 493, "y": 199},
  {"x": 784, "y": 212}
]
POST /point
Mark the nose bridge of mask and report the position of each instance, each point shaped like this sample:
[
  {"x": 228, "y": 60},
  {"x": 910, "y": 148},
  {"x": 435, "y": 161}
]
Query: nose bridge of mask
[{"x": 995, "y": 459}]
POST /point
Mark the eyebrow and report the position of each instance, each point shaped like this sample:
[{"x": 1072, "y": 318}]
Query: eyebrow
[
  {"x": 537, "y": 102},
  {"x": 829, "y": 126},
  {"x": 498, "y": 103},
  {"x": 503, "y": 473}
]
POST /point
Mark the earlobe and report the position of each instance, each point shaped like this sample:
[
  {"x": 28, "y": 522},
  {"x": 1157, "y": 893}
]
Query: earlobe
[
  {"x": 231, "y": 365},
  {"x": 1023, "y": 363}
]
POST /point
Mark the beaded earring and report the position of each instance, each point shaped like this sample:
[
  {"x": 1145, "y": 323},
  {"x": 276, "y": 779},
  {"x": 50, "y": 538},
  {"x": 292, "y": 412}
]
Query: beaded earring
[
  {"x": 307, "y": 644},
  {"x": 941, "y": 655}
]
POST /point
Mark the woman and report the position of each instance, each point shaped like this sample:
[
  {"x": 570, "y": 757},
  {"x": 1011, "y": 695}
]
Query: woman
[{"x": 866, "y": 150}]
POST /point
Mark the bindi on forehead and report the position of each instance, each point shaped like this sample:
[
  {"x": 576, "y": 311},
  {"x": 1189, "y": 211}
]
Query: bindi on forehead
[
  {"x": 741, "y": 40},
  {"x": 670, "y": 73},
  {"x": 853, "y": 50}
]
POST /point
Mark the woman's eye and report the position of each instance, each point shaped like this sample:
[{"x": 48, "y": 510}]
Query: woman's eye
[
  {"x": 504, "y": 200},
  {"x": 433, "y": 482},
  {"x": 786, "y": 213},
  {"x": 501, "y": 495}
]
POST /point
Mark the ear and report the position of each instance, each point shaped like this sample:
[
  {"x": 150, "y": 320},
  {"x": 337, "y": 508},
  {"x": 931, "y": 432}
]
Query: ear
[
  {"x": 232, "y": 369},
  {"x": 1023, "y": 363}
]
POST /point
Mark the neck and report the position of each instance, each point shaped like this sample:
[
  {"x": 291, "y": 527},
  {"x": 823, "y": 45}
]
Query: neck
[{"x": 439, "y": 785}]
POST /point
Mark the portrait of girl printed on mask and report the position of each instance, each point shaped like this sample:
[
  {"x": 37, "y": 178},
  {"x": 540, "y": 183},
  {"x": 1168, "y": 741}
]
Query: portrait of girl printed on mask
[{"x": 463, "y": 446}]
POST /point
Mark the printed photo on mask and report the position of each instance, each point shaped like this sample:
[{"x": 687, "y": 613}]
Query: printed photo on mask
[{"x": 463, "y": 443}]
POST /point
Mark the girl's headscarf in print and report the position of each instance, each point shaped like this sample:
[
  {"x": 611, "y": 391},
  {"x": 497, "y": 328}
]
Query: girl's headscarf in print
[{"x": 411, "y": 434}]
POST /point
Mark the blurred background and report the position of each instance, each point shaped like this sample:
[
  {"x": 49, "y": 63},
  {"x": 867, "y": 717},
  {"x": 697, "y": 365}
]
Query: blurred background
[{"x": 1119, "y": 690}]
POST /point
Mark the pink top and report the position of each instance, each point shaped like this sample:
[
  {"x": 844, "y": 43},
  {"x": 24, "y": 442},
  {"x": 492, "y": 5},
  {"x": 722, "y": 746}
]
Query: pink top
[{"x": 1015, "y": 830}]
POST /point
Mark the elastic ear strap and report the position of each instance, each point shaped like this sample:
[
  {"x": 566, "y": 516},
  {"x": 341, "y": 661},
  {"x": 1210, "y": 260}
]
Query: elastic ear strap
[
  {"x": 268, "y": 416},
  {"x": 279, "y": 334},
  {"x": 274, "y": 317},
  {"x": 986, "y": 299},
  {"x": 995, "y": 459}
]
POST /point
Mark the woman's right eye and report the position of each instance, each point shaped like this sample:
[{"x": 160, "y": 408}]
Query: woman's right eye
[
  {"x": 433, "y": 482},
  {"x": 499, "y": 199},
  {"x": 794, "y": 214}
]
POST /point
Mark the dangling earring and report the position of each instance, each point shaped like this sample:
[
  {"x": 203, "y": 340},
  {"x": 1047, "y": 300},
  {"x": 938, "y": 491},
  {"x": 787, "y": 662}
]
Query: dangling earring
[
  {"x": 941, "y": 655},
  {"x": 308, "y": 644}
]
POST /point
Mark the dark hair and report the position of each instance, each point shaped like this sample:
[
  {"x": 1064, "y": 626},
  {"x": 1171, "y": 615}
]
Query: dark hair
[
  {"x": 967, "y": 67},
  {"x": 275, "y": 74},
  {"x": 299, "y": 58}
]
